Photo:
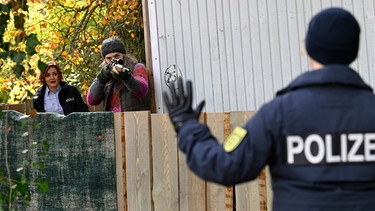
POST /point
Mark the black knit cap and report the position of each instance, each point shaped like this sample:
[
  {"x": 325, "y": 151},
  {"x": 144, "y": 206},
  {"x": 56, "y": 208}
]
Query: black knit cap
[
  {"x": 112, "y": 44},
  {"x": 333, "y": 37}
]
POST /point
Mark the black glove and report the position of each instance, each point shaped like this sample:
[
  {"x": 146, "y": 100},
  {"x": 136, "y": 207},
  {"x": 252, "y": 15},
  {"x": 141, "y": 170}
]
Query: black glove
[
  {"x": 179, "y": 107},
  {"x": 105, "y": 74},
  {"x": 122, "y": 75}
]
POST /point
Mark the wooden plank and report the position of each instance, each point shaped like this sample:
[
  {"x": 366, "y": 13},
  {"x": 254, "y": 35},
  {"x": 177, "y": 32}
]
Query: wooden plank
[
  {"x": 262, "y": 190},
  {"x": 192, "y": 188},
  {"x": 247, "y": 194},
  {"x": 28, "y": 106},
  {"x": 216, "y": 194},
  {"x": 257, "y": 194},
  {"x": 119, "y": 133},
  {"x": 14, "y": 107},
  {"x": 229, "y": 194},
  {"x": 165, "y": 164},
  {"x": 138, "y": 160},
  {"x": 269, "y": 189}
]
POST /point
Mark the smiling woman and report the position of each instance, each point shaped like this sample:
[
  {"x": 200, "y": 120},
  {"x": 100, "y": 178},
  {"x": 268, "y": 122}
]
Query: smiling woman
[{"x": 56, "y": 95}]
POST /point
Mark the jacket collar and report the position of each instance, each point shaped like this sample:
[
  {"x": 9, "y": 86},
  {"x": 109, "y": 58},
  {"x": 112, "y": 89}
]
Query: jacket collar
[{"x": 328, "y": 75}]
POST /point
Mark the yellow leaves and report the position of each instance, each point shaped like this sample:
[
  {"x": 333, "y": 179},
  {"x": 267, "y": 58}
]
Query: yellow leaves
[
  {"x": 65, "y": 55},
  {"x": 54, "y": 45},
  {"x": 33, "y": 112},
  {"x": 105, "y": 22},
  {"x": 133, "y": 5},
  {"x": 71, "y": 20},
  {"x": 18, "y": 93},
  {"x": 97, "y": 50},
  {"x": 100, "y": 137},
  {"x": 85, "y": 86},
  {"x": 18, "y": 33},
  {"x": 19, "y": 89},
  {"x": 117, "y": 17},
  {"x": 76, "y": 53},
  {"x": 32, "y": 29},
  {"x": 56, "y": 22},
  {"x": 76, "y": 60}
]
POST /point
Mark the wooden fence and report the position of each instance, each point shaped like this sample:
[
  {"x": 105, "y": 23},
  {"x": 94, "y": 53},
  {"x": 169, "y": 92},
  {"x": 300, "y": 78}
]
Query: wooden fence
[
  {"x": 27, "y": 106},
  {"x": 152, "y": 175}
]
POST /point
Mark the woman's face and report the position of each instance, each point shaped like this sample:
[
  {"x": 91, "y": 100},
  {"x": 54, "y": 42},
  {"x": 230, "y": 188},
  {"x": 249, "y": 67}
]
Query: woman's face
[
  {"x": 108, "y": 58},
  {"x": 52, "y": 78}
]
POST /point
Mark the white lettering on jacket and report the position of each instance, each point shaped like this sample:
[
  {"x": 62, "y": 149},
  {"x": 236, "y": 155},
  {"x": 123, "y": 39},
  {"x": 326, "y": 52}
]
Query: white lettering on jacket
[
  {"x": 70, "y": 99},
  {"x": 330, "y": 148}
]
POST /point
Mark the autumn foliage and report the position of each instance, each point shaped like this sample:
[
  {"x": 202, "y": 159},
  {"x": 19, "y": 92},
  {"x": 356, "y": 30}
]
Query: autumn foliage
[{"x": 70, "y": 32}]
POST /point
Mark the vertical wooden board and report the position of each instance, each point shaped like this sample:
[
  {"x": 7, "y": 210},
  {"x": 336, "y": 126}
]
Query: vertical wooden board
[
  {"x": 216, "y": 193},
  {"x": 247, "y": 194},
  {"x": 262, "y": 182},
  {"x": 165, "y": 164},
  {"x": 192, "y": 188},
  {"x": 260, "y": 190},
  {"x": 120, "y": 161},
  {"x": 269, "y": 189},
  {"x": 239, "y": 118},
  {"x": 28, "y": 106},
  {"x": 138, "y": 160},
  {"x": 230, "y": 191}
]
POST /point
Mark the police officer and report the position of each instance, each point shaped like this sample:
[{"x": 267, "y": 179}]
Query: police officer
[{"x": 317, "y": 135}]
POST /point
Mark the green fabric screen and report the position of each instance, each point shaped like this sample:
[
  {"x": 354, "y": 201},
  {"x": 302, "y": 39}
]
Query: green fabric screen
[{"x": 81, "y": 167}]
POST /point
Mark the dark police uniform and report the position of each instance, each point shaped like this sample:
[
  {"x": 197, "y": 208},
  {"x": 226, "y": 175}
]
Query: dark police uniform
[
  {"x": 69, "y": 97},
  {"x": 317, "y": 136}
]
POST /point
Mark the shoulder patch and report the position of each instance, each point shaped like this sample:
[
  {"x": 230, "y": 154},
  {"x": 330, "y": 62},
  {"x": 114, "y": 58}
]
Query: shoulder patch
[{"x": 234, "y": 139}]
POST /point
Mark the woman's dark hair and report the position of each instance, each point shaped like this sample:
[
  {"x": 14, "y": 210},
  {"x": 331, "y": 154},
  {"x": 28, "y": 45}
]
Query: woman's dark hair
[{"x": 43, "y": 74}]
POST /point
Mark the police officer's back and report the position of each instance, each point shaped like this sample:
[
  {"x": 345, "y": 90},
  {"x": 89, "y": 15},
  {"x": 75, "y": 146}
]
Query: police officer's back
[{"x": 317, "y": 135}]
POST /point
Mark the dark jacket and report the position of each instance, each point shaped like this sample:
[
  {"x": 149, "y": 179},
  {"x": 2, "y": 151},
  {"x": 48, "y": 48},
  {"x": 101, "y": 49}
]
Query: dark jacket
[
  {"x": 134, "y": 96},
  {"x": 317, "y": 136},
  {"x": 128, "y": 101},
  {"x": 69, "y": 97}
]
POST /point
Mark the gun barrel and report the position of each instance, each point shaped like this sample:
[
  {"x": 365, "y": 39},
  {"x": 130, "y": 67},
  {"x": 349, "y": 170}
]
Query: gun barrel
[{"x": 122, "y": 68}]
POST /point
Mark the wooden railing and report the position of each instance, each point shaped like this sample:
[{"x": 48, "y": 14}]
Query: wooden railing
[
  {"x": 27, "y": 106},
  {"x": 151, "y": 172}
]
